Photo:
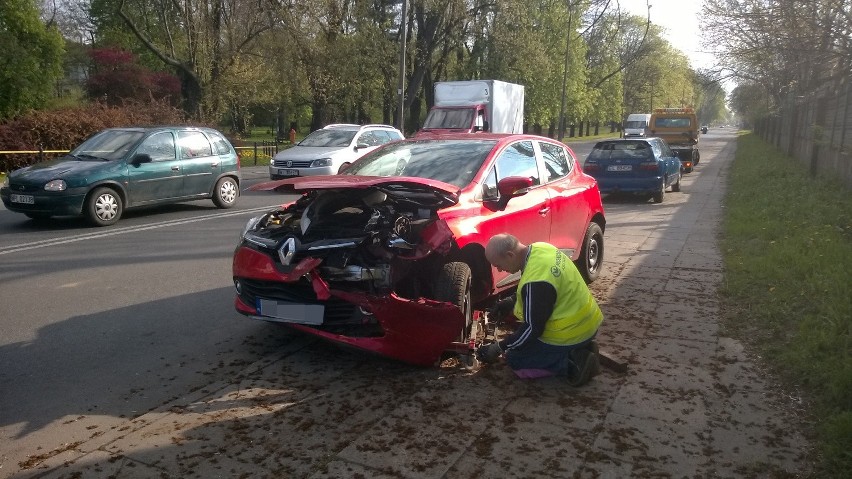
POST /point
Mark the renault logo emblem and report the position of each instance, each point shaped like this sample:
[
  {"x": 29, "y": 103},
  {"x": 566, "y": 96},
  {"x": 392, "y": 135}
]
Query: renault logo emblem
[{"x": 286, "y": 251}]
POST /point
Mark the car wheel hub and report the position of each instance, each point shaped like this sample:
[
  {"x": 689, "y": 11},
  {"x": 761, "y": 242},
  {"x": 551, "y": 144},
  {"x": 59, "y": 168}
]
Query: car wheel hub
[
  {"x": 105, "y": 207},
  {"x": 228, "y": 192}
]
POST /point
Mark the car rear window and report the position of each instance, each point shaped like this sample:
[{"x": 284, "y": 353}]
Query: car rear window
[
  {"x": 672, "y": 122},
  {"x": 627, "y": 149},
  {"x": 220, "y": 144}
]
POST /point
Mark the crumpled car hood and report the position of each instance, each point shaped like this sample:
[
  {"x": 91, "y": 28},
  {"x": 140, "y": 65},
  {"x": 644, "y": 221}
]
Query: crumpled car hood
[{"x": 400, "y": 186}]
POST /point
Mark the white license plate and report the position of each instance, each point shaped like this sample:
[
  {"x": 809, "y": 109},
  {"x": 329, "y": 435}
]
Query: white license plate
[
  {"x": 26, "y": 199},
  {"x": 619, "y": 168},
  {"x": 288, "y": 172},
  {"x": 290, "y": 312}
]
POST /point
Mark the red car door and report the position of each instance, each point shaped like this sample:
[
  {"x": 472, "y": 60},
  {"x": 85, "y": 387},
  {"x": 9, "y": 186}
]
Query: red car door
[
  {"x": 566, "y": 188},
  {"x": 528, "y": 216}
]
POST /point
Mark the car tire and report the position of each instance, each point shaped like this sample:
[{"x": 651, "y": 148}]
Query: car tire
[
  {"x": 591, "y": 253},
  {"x": 226, "y": 193},
  {"x": 103, "y": 207},
  {"x": 660, "y": 194},
  {"x": 676, "y": 184},
  {"x": 453, "y": 285}
]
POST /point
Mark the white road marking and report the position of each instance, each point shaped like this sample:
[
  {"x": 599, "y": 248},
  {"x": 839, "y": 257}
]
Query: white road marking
[{"x": 120, "y": 231}]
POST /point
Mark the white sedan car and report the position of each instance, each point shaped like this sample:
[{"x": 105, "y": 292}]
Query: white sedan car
[{"x": 327, "y": 150}]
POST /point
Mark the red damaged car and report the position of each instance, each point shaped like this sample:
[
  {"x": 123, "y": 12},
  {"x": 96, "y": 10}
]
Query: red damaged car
[{"x": 389, "y": 256}]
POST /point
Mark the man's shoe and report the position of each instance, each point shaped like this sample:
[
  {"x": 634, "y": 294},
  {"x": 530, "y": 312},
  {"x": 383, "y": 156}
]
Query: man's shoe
[
  {"x": 593, "y": 347},
  {"x": 587, "y": 365}
]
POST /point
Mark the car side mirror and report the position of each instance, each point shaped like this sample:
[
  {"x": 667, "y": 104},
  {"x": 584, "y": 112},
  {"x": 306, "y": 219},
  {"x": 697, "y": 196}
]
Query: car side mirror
[
  {"x": 361, "y": 145},
  {"x": 511, "y": 187},
  {"x": 141, "y": 158}
]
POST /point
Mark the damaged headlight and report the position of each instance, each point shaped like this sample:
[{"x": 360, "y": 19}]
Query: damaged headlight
[{"x": 250, "y": 226}]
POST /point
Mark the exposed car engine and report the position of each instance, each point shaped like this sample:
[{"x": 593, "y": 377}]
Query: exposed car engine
[{"x": 358, "y": 234}]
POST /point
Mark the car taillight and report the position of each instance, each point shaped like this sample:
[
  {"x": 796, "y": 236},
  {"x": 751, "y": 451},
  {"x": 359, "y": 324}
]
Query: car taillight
[
  {"x": 649, "y": 166},
  {"x": 591, "y": 167}
]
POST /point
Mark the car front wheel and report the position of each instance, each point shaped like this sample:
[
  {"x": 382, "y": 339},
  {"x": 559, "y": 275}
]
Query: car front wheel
[
  {"x": 226, "y": 193},
  {"x": 103, "y": 207},
  {"x": 454, "y": 286},
  {"x": 591, "y": 254}
]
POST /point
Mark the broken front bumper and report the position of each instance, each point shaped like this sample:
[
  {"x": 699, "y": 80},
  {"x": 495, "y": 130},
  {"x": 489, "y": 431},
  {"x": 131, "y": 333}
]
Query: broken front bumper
[{"x": 414, "y": 331}]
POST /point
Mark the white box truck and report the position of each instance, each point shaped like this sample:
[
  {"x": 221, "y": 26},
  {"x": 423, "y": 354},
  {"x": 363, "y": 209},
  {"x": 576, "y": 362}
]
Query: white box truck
[
  {"x": 471, "y": 106},
  {"x": 636, "y": 125}
]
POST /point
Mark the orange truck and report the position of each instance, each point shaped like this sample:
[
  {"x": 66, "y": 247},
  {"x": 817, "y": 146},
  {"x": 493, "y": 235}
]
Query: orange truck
[{"x": 679, "y": 128}]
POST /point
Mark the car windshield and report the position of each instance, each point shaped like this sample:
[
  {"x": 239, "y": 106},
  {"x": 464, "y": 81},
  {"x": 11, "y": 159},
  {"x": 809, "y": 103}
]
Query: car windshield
[
  {"x": 451, "y": 161},
  {"x": 328, "y": 138},
  {"x": 635, "y": 124},
  {"x": 108, "y": 145},
  {"x": 451, "y": 119}
]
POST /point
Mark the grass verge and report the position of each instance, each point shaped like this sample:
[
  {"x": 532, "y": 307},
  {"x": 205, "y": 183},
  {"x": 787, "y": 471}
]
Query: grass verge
[{"x": 788, "y": 272}]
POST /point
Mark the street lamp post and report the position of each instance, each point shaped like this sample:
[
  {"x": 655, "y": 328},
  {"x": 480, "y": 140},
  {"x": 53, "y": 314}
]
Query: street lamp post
[{"x": 400, "y": 88}]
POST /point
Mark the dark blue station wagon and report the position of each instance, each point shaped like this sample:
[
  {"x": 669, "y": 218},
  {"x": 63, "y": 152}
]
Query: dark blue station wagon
[{"x": 644, "y": 166}]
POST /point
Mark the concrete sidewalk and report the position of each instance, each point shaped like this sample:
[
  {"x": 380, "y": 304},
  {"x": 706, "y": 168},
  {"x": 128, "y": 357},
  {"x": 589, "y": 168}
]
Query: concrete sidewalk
[{"x": 693, "y": 404}]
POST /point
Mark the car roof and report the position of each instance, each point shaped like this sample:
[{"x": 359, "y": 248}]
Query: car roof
[
  {"x": 160, "y": 127},
  {"x": 354, "y": 127},
  {"x": 480, "y": 136},
  {"x": 625, "y": 140}
]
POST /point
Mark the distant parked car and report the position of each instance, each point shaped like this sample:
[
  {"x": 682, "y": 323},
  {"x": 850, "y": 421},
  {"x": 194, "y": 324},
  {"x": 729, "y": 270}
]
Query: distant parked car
[
  {"x": 640, "y": 166},
  {"x": 121, "y": 168},
  {"x": 389, "y": 256},
  {"x": 703, "y": 128},
  {"x": 329, "y": 150}
]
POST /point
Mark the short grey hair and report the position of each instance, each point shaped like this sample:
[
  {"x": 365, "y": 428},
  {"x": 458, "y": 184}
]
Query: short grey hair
[{"x": 502, "y": 243}]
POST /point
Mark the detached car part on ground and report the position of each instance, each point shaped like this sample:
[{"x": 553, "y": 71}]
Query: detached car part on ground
[
  {"x": 389, "y": 256},
  {"x": 121, "y": 168}
]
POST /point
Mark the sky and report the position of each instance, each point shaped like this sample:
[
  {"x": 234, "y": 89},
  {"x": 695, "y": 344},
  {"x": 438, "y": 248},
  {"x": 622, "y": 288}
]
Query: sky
[{"x": 679, "y": 20}]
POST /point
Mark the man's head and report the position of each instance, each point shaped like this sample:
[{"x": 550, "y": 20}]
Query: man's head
[{"x": 506, "y": 253}]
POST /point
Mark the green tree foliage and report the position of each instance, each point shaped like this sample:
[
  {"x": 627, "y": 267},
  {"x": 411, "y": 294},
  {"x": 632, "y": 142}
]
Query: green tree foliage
[
  {"x": 202, "y": 40},
  {"x": 785, "y": 47},
  {"x": 30, "y": 60},
  {"x": 711, "y": 104},
  {"x": 337, "y": 60}
]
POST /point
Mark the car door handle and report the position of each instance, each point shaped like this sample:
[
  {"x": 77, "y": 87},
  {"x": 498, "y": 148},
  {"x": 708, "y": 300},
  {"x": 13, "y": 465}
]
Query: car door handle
[
  {"x": 215, "y": 164},
  {"x": 544, "y": 211},
  {"x": 176, "y": 168}
]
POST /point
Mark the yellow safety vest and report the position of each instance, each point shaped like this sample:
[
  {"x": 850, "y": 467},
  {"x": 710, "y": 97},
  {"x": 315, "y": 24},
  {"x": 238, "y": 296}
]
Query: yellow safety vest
[{"x": 576, "y": 315}]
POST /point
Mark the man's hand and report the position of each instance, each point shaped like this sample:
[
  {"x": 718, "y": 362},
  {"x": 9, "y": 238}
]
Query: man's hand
[
  {"x": 501, "y": 308},
  {"x": 489, "y": 353}
]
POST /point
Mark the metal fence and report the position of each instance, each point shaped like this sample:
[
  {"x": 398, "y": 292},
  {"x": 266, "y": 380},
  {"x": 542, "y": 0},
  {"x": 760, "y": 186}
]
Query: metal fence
[{"x": 817, "y": 130}]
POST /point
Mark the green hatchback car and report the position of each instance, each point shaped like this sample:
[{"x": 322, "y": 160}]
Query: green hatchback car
[{"x": 121, "y": 168}]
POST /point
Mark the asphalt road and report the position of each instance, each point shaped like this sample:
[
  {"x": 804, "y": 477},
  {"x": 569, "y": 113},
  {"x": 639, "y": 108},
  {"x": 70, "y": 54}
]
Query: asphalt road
[
  {"x": 121, "y": 356},
  {"x": 108, "y": 323}
]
